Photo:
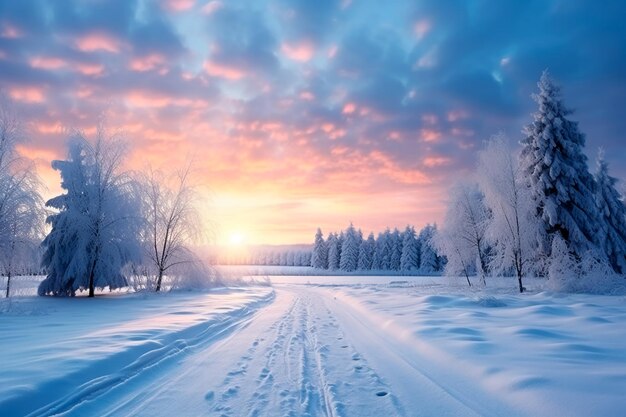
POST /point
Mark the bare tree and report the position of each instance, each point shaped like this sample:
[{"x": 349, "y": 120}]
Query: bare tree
[
  {"x": 172, "y": 222},
  {"x": 513, "y": 230},
  {"x": 21, "y": 206},
  {"x": 463, "y": 238}
]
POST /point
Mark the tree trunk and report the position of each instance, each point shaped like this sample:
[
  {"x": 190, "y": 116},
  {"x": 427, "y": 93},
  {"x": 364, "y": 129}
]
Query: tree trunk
[
  {"x": 91, "y": 283},
  {"x": 521, "y": 287},
  {"x": 159, "y": 279},
  {"x": 8, "y": 284}
]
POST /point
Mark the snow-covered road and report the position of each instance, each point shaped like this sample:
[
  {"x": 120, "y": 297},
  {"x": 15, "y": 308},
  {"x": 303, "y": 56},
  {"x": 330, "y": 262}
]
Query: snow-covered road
[
  {"x": 307, "y": 353},
  {"x": 297, "y": 350}
]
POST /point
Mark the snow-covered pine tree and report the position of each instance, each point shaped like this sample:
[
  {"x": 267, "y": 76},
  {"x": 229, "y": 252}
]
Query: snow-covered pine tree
[
  {"x": 409, "y": 261},
  {"x": 396, "y": 250},
  {"x": 95, "y": 233},
  {"x": 610, "y": 204},
  {"x": 377, "y": 257},
  {"x": 334, "y": 254},
  {"x": 553, "y": 161},
  {"x": 319, "y": 258},
  {"x": 366, "y": 253},
  {"x": 430, "y": 262},
  {"x": 349, "y": 250},
  {"x": 386, "y": 247}
]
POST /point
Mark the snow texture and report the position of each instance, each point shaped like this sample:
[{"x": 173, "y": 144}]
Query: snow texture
[{"x": 345, "y": 346}]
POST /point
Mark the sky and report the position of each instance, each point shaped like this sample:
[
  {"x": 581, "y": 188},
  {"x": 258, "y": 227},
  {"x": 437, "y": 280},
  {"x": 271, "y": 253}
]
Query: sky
[{"x": 307, "y": 113}]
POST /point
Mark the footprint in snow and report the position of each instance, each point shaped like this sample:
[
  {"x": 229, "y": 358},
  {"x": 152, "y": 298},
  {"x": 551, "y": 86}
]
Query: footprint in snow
[{"x": 381, "y": 393}]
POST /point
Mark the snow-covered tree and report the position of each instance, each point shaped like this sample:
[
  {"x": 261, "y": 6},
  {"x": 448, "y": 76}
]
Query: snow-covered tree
[
  {"x": 319, "y": 258},
  {"x": 514, "y": 229},
  {"x": 610, "y": 204},
  {"x": 409, "y": 260},
  {"x": 459, "y": 259},
  {"x": 395, "y": 257},
  {"x": 95, "y": 233},
  {"x": 430, "y": 261},
  {"x": 463, "y": 240},
  {"x": 349, "y": 250},
  {"x": 366, "y": 253},
  {"x": 172, "y": 224},
  {"x": 334, "y": 252},
  {"x": 21, "y": 207},
  {"x": 555, "y": 166},
  {"x": 386, "y": 247},
  {"x": 377, "y": 256}
]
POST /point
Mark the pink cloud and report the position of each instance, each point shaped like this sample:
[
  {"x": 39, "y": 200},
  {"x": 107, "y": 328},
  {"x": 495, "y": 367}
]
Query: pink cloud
[
  {"x": 456, "y": 115},
  {"x": 430, "y": 135},
  {"x": 435, "y": 161},
  {"x": 307, "y": 96},
  {"x": 10, "y": 31},
  {"x": 47, "y": 63},
  {"x": 223, "y": 71},
  {"x": 147, "y": 99},
  {"x": 386, "y": 166},
  {"x": 90, "y": 69},
  {"x": 49, "y": 128},
  {"x": 27, "y": 94},
  {"x": 302, "y": 51},
  {"x": 421, "y": 28},
  {"x": 179, "y": 5},
  {"x": 430, "y": 119},
  {"x": 98, "y": 42},
  {"x": 456, "y": 131},
  {"x": 332, "y": 51},
  {"x": 349, "y": 108},
  {"x": 146, "y": 63},
  {"x": 211, "y": 7}
]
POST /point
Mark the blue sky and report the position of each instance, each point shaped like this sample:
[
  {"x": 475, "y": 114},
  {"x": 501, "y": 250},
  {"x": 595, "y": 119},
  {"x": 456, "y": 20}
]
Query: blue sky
[{"x": 319, "y": 112}]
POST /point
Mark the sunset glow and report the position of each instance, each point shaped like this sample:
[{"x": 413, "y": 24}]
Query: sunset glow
[{"x": 299, "y": 114}]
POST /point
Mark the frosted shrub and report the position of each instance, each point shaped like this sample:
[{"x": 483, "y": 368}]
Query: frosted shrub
[{"x": 591, "y": 274}]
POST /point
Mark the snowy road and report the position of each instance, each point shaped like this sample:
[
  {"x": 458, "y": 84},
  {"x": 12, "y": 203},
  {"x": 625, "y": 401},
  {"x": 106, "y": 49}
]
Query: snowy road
[
  {"x": 314, "y": 350},
  {"x": 307, "y": 353}
]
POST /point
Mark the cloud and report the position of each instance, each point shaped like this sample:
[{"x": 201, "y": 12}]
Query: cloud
[{"x": 341, "y": 107}]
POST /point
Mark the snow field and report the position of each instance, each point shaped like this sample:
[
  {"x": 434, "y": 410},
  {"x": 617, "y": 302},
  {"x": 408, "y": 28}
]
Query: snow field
[
  {"x": 545, "y": 354},
  {"x": 317, "y": 346},
  {"x": 61, "y": 353}
]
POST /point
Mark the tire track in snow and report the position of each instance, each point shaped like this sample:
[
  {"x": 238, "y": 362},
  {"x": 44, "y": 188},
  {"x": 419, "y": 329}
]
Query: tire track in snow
[
  {"x": 153, "y": 355},
  {"x": 304, "y": 368}
]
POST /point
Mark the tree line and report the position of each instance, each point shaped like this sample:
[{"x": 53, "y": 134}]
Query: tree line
[
  {"x": 538, "y": 210},
  {"x": 402, "y": 252},
  {"x": 109, "y": 229}
]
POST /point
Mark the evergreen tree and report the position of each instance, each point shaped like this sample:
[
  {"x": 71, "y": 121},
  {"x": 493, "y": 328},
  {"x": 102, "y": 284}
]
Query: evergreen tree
[
  {"x": 561, "y": 186},
  {"x": 349, "y": 250},
  {"x": 430, "y": 262},
  {"x": 334, "y": 253},
  {"x": 611, "y": 207},
  {"x": 319, "y": 259},
  {"x": 95, "y": 233},
  {"x": 396, "y": 250},
  {"x": 366, "y": 253},
  {"x": 409, "y": 261},
  {"x": 377, "y": 257},
  {"x": 386, "y": 249}
]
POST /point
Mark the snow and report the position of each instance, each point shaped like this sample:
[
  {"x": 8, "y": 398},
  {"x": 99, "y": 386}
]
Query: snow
[{"x": 317, "y": 346}]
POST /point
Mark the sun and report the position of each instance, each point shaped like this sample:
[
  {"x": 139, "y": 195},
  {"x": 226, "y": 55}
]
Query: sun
[{"x": 236, "y": 239}]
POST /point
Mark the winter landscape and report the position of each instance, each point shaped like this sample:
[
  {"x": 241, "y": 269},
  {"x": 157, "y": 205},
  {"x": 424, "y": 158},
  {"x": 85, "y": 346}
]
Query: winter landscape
[{"x": 298, "y": 208}]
